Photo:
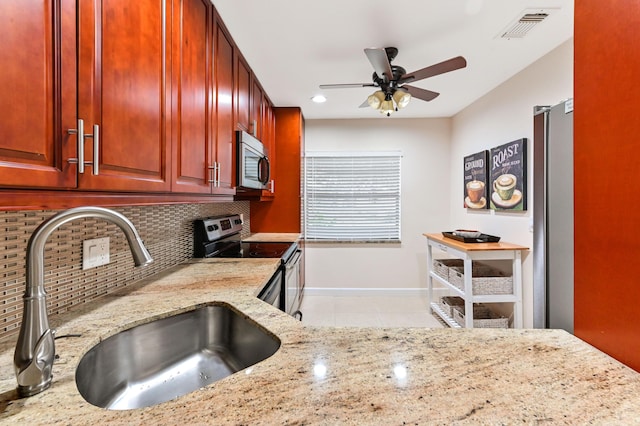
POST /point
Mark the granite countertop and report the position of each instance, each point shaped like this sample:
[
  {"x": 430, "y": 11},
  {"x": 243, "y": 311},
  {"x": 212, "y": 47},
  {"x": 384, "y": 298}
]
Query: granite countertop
[
  {"x": 336, "y": 375},
  {"x": 275, "y": 237}
]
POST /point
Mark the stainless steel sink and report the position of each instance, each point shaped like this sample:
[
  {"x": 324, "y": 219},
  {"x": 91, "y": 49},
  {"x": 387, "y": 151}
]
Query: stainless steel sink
[{"x": 170, "y": 357}]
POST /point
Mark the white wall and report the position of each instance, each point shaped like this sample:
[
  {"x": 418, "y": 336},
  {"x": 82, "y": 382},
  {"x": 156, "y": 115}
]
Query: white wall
[
  {"x": 503, "y": 115},
  {"x": 432, "y": 177},
  {"x": 425, "y": 202}
]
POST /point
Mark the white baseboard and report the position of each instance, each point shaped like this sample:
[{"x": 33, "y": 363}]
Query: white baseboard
[{"x": 407, "y": 292}]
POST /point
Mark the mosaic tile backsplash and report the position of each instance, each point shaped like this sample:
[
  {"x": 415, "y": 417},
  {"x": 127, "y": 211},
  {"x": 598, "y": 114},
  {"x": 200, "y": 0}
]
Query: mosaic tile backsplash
[{"x": 167, "y": 231}]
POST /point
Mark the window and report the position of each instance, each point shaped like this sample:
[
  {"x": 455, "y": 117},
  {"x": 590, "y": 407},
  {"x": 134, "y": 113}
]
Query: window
[{"x": 352, "y": 196}]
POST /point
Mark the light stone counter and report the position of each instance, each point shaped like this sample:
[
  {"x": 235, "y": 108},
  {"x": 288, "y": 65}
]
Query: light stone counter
[
  {"x": 275, "y": 237},
  {"x": 337, "y": 376}
]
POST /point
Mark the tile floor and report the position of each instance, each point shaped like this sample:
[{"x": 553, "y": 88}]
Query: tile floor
[{"x": 367, "y": 311}]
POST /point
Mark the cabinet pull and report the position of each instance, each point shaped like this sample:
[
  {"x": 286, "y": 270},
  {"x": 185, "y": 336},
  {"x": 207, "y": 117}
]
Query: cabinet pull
[
  {"x": 213, "y": 170},
  {"x": 81, "y": 135},
  {"x": 218, "y": 170},
  {"x": 80, "y": 144},
  {"x": 96, "y": 149},
  {"x": 443, "y": 248}
]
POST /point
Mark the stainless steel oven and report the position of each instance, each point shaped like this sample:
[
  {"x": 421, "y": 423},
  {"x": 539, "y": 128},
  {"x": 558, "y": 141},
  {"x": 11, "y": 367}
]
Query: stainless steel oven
[
  {"x": 293, "y": 285},
  {"x": 220, "y": 237},
  {"x": 272, "y": 292}
]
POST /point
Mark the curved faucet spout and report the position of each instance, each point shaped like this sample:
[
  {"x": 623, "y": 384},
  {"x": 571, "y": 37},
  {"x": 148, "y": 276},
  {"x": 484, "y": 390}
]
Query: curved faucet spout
[{"x": 35, "y": 350}]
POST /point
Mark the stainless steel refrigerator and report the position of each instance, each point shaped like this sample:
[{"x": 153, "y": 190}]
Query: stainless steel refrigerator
[{"x": 553, "y": 216}]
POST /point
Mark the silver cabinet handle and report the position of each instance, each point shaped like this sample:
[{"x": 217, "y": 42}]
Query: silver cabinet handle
[
  {"x": 218, "y": 178},
  {"x": 96, "y": 149},
  {"x": 213, "y": 169},
  {"x": 80, "y": 144}
]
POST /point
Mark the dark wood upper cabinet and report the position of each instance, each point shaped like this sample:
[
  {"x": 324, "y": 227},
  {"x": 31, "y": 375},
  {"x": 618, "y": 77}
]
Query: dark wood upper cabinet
[
  {"x": 243, "y": 93},
  {"x": 268, "y": 127},
  {"x": 252, "y": 117},
  {"x": 123, "y": 87},
  {"x": 38, "y": 87},
  {"x": 257, "y": 108},
  {"x": 225, "y": 124},
  {"x": 192, "y": 107},
  {"x": 159, "y": 85},
  {"x": 66, "y": 61}
]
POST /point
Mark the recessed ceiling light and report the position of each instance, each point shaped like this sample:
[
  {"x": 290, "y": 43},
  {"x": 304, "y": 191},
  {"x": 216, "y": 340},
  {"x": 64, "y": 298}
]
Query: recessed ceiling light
[{"x": 319, "y": 99}]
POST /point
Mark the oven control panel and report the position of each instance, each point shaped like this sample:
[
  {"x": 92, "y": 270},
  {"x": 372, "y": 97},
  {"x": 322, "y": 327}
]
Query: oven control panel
[{"x": 215, "y": 228}]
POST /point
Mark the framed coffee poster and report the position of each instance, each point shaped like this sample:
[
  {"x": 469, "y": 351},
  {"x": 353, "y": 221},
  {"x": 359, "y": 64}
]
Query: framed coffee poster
[
  {"x": 508, "y": 176},
  {"x": 475, "y": 180}
]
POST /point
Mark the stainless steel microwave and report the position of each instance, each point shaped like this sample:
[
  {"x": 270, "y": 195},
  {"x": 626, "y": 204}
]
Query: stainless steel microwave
[{"x": 254, "y": 170}]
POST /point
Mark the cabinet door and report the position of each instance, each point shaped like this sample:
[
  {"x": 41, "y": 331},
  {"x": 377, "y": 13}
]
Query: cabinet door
[
  {"x": 123, "y": 75},
  {"x": 243, "y": 87},
  {"x": 38, "y": 93},
  {"x": 225, "y": 124},
  {"x": 191, "y": 96},
  {"x": 269, "y": 139},
  {"x": 268, "y": 129},
  {"x": 256, "y": 118}
]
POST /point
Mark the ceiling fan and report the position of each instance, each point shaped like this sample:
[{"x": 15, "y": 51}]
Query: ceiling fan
[{"x": 392, "y": 79}]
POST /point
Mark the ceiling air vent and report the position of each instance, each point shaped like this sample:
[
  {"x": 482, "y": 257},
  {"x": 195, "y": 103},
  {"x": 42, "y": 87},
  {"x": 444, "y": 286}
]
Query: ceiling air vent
[{"x": 525, "y": 23}]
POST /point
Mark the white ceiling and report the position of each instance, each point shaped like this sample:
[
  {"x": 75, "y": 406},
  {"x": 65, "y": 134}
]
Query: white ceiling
[{"x": 293, "y": 46}]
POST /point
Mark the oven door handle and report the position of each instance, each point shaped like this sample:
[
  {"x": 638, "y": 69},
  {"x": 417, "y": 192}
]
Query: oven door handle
[{"x": 294, "y": 259}]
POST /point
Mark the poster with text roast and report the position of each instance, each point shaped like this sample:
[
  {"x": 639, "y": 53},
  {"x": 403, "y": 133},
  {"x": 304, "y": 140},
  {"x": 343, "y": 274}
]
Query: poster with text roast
[
  {"x": 508, "y": 176},
  {"x": 475, "y": 180}
]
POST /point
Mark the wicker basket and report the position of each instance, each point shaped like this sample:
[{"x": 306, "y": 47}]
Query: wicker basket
[
  {"x": 448, "y": 303},
  {"x": 441, "y": 266},
  {"x": 483, "y": 317},
  {"x": 484, "y": 280}
]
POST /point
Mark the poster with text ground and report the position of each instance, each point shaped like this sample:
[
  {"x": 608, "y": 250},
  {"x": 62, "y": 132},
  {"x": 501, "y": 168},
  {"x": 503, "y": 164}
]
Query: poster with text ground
[{"x": 475, "y": 180}]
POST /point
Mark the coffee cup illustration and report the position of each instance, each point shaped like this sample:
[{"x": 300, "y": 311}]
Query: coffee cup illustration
[
  {"x": 475, "y": 190},
  {"x": 504, "y": 185}
]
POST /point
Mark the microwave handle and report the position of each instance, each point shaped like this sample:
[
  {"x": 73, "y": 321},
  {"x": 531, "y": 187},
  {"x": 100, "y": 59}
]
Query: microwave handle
[{"x": 264, "y": 179}]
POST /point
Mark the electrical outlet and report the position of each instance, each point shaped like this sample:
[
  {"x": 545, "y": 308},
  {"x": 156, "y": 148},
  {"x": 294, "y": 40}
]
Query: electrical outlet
[{"x": 95, "y": 252}]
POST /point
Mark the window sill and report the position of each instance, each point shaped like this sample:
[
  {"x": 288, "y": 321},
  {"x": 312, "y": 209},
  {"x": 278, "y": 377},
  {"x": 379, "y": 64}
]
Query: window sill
[{"x": 352, "y": 242}]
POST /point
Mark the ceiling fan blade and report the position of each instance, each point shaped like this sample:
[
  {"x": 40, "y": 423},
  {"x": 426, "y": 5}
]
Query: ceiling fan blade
[
  {"x": 380, "y": 62},
  {"x": 365, "y": 104},
  {"x": 437, "y": 69},
  {"x": 425, "y": 95},
  {"x": 346, "y": 86}
]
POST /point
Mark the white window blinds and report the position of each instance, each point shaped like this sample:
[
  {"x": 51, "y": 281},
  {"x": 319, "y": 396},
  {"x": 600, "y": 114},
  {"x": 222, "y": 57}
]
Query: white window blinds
[{"x": 352, "y": 196}]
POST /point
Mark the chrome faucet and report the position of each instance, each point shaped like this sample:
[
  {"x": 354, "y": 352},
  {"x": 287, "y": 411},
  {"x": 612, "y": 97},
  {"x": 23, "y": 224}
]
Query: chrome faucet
[{"x": 35, "y": 350}]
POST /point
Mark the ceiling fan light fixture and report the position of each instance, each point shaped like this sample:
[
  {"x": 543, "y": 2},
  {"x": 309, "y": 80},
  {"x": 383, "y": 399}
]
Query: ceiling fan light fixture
[
  {"x": 376, "y": 99},
  {"x": 402, "y": 98},
  {"x": 387, "y": 107}
]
